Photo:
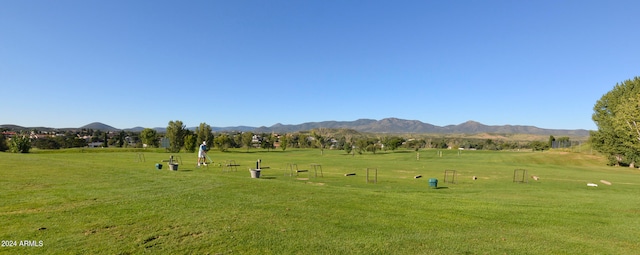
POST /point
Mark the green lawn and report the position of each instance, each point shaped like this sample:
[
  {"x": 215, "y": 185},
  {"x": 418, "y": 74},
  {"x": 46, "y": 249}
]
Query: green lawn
[{"x": 93, "y": 201}]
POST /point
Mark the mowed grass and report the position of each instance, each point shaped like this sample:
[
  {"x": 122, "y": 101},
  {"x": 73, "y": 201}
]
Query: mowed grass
[{"x": 107, "y": 202}]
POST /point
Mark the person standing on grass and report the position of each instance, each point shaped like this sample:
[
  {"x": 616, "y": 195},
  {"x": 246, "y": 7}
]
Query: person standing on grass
[{"x": 202, "y": 153}]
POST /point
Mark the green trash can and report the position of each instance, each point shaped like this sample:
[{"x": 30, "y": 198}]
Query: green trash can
[{"x": 433, "y": 183}]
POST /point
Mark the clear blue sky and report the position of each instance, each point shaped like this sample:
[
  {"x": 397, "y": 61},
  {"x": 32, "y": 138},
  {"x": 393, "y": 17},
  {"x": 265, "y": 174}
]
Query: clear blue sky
[{"x": 257, "y": 63}]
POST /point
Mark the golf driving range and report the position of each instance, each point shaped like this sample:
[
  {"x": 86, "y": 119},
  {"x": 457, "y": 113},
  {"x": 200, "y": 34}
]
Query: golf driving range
[{"x": 116, "y": 201}]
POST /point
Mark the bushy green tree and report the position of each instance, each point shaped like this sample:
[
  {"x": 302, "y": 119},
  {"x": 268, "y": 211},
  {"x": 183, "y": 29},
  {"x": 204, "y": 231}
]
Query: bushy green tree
[
  {"x": 440, "y": 144},
  {"x": 96, "y": 136},
  {"x": 415, "y": 144},
  {"x": 367, "y": 144},
  {"x": 190, "y": 141},
  {"x": 345, "y": 144},
  {"x": 392, "y": 142},
  {"x": 247, "y": 137},
  {"x": 176, "y": 132},
  {"x": 204, "y": 133},
  {"x": 237, "y": 140},
  {"x": 149, "y": 137},
  {"x": 20, "y": 144},
  {"x": 284, "y": 142},
  {"x": 46, "y": 144},
  {"x": 222, "y": 142},
  {"x": 71, "y": 140},
  {"x": 267, "y": 141},
  {"x": 303, "y": 140},
  {"x": 617, "y": 115},
  {"x": 539, "y": 145}
]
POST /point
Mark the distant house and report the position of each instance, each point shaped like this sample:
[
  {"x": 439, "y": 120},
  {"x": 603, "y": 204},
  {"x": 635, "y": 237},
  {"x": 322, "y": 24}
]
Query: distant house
[
  {"x": 8, "y": 134},
  {"x": 256, "y": 139}
]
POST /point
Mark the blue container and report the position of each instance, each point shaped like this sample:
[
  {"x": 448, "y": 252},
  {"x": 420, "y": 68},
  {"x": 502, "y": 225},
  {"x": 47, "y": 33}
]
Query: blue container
[
  {"x": 158, "y": 166},
  {"x": 433, "y": 183}
]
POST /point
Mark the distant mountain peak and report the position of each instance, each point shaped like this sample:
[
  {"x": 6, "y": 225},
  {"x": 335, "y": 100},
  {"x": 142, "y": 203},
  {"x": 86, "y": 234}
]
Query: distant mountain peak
[
  {"x": 99, "y": 126},
  {"x": 396, "y": 125},
  {"x": 386, "y": 125}
]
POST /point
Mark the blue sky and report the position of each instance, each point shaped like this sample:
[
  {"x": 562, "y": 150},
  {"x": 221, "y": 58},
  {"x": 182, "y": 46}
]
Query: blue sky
[{"x": 257, "y": 63}]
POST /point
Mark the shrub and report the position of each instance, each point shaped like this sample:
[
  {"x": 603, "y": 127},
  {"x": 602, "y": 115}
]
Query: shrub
[{"x": 20, "y": 144}]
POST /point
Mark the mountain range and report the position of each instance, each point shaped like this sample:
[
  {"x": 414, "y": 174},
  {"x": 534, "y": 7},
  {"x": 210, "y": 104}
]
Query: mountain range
[{"x": 387, "y": 125}]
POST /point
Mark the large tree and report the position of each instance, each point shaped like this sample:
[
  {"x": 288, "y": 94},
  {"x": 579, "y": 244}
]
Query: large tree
[
  {"x": 204, "y": 133},
  {"x": 176, "y": 132},
  {"x": 392, "y": 142},
  {"x": 284, "y": 142},
  {"x": 190, "y": 141},
  {"x": 223, "y": 142},
  {"x": 121, "y": 137},
  {"x": 267, "y": 141},
  {"x": 247, "y": 139},
  {"x": 20, "y": 144},
  {"x": 366, "y": 144},
  {"x": 617, "y": 115},
  {"x": 149, "y": 137}
]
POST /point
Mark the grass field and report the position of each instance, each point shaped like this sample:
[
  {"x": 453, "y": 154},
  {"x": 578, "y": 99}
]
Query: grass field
[{"x": 94, "y": 201}]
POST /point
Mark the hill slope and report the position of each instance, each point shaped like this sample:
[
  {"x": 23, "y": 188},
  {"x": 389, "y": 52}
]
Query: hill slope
[
  {"x": 395, "y": 125},
  {"x": 99, "y": 126},
  {"x": 388, "y": 125}
]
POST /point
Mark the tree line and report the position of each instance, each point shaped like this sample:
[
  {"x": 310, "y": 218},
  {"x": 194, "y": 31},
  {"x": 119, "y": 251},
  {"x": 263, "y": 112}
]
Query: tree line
[{"x": 178, "y": 138}]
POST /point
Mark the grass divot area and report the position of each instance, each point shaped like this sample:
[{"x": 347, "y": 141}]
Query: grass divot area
[{"x": 95, "y": 201}]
